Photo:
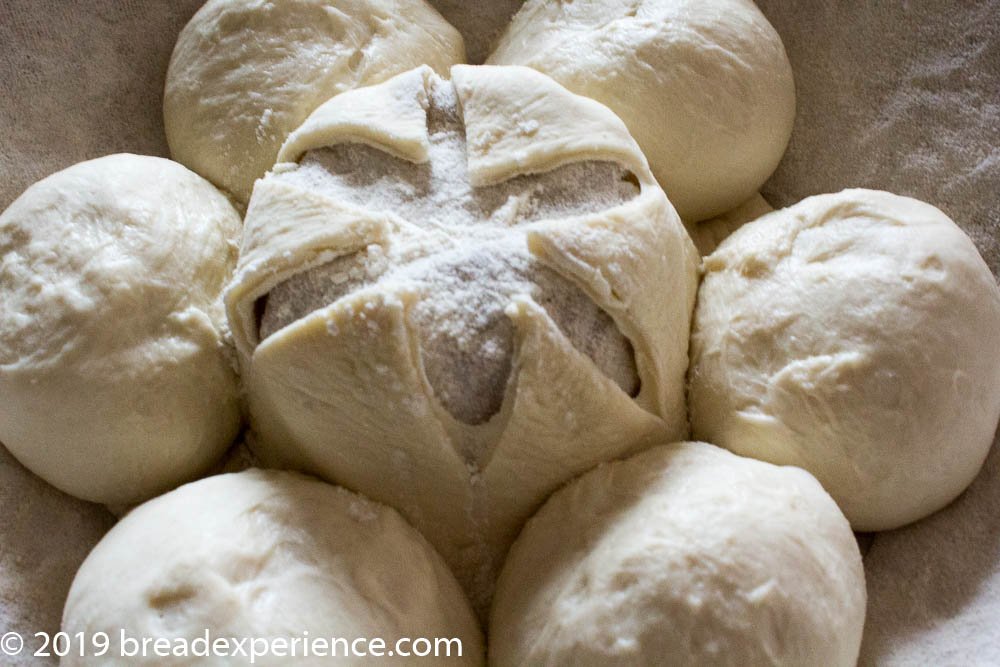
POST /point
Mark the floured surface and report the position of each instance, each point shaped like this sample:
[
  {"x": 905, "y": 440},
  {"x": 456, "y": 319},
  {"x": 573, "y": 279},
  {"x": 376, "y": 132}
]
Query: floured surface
[
  {"x": 44, "y": 536},
  {"x": 481, "y": 22},
  {"x": 898, "y": 96},
  {"x": 78, "y": 83}
]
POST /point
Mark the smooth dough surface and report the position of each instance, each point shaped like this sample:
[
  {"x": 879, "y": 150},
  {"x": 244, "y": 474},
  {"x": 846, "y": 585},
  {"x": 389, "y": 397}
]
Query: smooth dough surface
[
  {"x": 267, "y": 554},
  {"x": 245, "y": 73},
  {"x": 704, "y": 86},
  {"x": 491, "y": 257},
  {"x": 114, "y": 378},
  {"x": 683, "y": 555},
  {"x": 708, "y": 234},
  {"x": 854, "y": 335}
]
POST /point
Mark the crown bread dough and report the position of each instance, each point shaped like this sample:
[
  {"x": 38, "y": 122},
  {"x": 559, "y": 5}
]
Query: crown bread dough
[
  {"x": 245, "y": 73},
  {"x": 115, "y": 381},
  {"x": 266, "y": 555},
  {"x": 684, "y": 554},
  {"x": 406, "y": 301},
  {"x": 854, "y": 335},
  {"x": 704, "y": 86}
]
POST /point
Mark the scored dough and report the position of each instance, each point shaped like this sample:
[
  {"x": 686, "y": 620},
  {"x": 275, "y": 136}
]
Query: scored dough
[
  {"x": 114, "y": 379},
  {"x": 491, "y": 258},
  {"x": 266, "y": 555},
  {"x": 466, "y": 339},
  {"x": 683, "y": 555},
  {"x": 704, "y": 86},
  {"x": 854, "y": 335},
  {"x": 245, "y": 73}
]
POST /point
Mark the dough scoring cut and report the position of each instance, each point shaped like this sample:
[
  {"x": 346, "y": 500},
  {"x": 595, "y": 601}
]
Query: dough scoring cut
[
  {"x": 466, "y": 338},
  {"x": 267, "y": 556},
  {"x": 684, "y": 554},
  {"x": 704, "y": 86},
  {"x": 453, "y": 296},
  {"x": 853, "y": 335},
  {"x": 115, "y": 380},
  {"x": 245, "y": 73}
]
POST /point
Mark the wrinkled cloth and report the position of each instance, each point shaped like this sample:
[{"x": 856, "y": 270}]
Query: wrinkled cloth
[{"x": 900, "y": 96}]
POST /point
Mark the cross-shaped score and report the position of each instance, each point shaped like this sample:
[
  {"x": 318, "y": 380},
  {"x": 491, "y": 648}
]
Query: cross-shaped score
[{"x": 454, "y": 295}]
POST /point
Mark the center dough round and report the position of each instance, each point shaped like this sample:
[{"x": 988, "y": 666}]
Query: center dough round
[
  {"x": 455, "y": 295},
  {"x": 469, "y": 266}
]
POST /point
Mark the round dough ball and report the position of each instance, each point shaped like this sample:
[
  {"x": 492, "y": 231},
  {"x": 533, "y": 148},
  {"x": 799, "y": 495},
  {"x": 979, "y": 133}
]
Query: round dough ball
[
  {"x": 245, "y": 73},
  {"x": 683, "y": 555},
  {"x": 114, "y": 380},
  {"x": 479, "y": 280},
  {"x": 704, "y": 86},
  {"x": 854, "y": 335},
  {"x": 267, "y": 555}
]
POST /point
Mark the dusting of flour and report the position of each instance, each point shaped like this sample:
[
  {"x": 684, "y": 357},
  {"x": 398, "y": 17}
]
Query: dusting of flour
[{"x": 463, "y": 250}]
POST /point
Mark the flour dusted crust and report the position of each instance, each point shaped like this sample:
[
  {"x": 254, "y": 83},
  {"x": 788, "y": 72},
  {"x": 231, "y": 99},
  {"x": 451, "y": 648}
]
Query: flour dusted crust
[
  {"x": 683, "y": 555},
  {"x": 114, "y": 378},
  {"x": 267, "y": 554},
  {"x": 344, "y": 391},
  {"x": 704, "y": 86},
  {"x": 854, "y": 335},
  {"x": 245, "y": 73}
]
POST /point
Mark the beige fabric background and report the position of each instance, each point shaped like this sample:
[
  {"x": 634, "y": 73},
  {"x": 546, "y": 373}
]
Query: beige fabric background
[{"x": 896, "y": 95}]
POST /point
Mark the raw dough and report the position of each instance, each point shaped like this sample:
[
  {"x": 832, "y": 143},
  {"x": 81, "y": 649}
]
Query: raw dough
[
  {"x": 114, "y": 380},
  {"x": 854, "y": 335},
  {"x": 708, "y": 234},
  {"x": 496, "y": 263},
  {"x": 266, "y": 554},
  {"x": 683, "y": 555},
  {"x": 703, "y": 85},
  {"x": 245, "y": 73}
]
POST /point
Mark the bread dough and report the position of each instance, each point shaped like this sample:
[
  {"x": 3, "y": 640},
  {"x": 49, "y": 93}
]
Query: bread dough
[
  {"x": 854, "y": 335},
  {"x": 704, "y": 86},
  {"x": 683, "y": 555},
  {"x": 267, "y": 554},
  {"x": 492, "y": 258},
  {"x": 245, "y": 73},
  {"x": 708, "y": 234},
  {"x": 114, "y": 380}
]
